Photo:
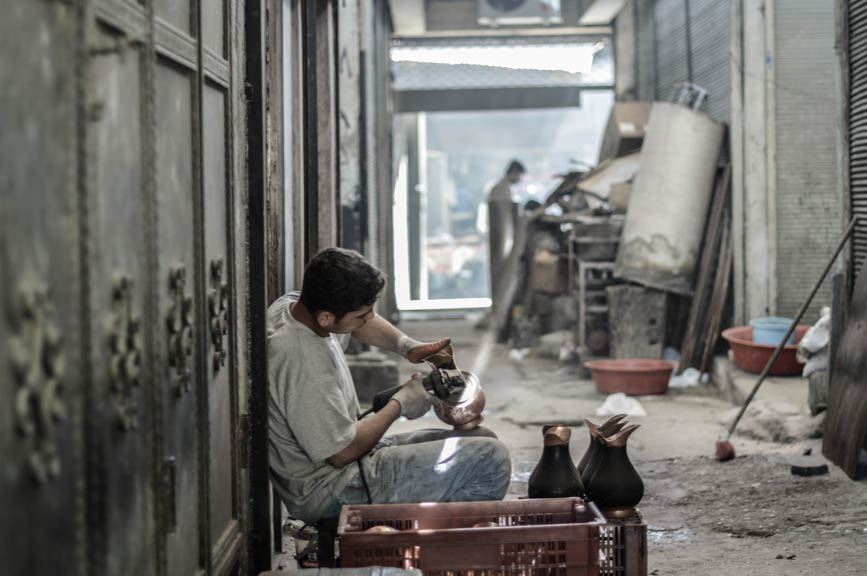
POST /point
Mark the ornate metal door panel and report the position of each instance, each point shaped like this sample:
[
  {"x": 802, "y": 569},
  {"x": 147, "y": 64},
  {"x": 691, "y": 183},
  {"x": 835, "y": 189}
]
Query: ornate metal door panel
[
  {"x": 41, "y": 483},
  {"x": 122, "y": 300},
  {"x": 177, "y": 183},
  {"x": 176, "y": 13},
  {"x": 225, "y": 534},
  {"x": 214, "y": 23},
  {"x": 120, "y": 499}
]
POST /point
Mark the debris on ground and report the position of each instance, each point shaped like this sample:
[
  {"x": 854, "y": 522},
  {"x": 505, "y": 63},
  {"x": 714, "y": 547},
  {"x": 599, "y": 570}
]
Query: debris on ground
[
  {"x": 780, "y": 422},
  {"x": 620, "y": 403},
  {"x": 813, "y": 347},
  {"x": 809, "y": 466},
  {"x": 689, "y": 378},
  {"x": 559, "y": 345}
]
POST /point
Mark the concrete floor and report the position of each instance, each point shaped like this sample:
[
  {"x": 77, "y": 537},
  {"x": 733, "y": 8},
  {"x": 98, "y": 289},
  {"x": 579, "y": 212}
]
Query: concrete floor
[
  {"x": 747, "y": 516},
  {"x": 523, "y": 395},
  {"x": 704, "y": 517}
]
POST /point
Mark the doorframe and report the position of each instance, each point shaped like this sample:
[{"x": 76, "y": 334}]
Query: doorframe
[{"x": 259, "y": 524}]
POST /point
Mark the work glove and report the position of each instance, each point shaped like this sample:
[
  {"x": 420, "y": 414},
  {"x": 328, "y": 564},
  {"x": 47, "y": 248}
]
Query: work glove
[
  {"x": 414, "y": 400},
  {"x": 436, "y": 353}
]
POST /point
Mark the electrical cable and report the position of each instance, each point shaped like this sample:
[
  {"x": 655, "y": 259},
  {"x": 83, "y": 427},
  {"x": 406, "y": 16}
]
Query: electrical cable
[{"x": 364, "y": 481}]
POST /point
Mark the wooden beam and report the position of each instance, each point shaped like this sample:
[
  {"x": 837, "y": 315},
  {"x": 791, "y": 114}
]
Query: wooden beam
[{"x": 490, "y": 98}]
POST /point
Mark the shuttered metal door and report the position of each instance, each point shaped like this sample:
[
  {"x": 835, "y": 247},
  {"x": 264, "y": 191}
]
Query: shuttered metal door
[
  {"x": 808, "y": 206},
  {"x": 672, "y": 62},
  {"x": 691, "y": 43},
  {"x": 858, "y": 127},
  {"x": 710, "y": 56}
]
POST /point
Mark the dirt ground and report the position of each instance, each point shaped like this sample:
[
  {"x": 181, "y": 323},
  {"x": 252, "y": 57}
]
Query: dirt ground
[{"x": 746, "y": 516}]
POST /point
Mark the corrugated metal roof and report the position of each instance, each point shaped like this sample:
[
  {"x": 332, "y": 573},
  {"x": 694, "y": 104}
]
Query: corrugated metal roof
[
  {"x": 411, "y": 74},
  {"x": 426, "y": 76}
]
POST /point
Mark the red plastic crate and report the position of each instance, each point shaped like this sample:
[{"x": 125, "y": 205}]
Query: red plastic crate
[
  {"x": 531, "y": 537},
  {"x": 623, "y": 547}
]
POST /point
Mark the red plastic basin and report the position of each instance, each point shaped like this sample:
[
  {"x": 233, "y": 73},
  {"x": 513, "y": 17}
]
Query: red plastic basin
[
  {"x": 752, "y": 357},
  {"x": 632, "y": 376}
]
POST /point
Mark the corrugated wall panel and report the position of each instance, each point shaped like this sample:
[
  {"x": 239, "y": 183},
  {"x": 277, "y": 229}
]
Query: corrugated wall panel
[
  {"x": 625, "y": 53},
  {"x": 809, "y": 210},
  {"x": 646, "y": 51},
  {"x": 709, "y": 33},
  {"x": 858, "y": 127},
  {"x": 672, "y": 65}
]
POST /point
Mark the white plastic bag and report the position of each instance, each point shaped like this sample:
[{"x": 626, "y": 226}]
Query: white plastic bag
[
  {"x": 620, "y": 403},
  {"x": 817, "y": 337},
  {"x": 813, "y": 347}
]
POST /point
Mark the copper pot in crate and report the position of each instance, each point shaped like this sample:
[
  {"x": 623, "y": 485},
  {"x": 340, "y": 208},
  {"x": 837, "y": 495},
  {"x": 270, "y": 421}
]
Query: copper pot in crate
[{"x": 498, "y": 537}]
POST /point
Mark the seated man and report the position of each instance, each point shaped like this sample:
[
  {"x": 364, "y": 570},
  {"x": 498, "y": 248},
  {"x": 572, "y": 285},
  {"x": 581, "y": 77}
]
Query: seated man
[{"x": 322, "y": 456}]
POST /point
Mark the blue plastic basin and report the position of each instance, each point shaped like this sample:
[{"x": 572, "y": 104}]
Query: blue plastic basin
[{"x": 771, "y": 330}]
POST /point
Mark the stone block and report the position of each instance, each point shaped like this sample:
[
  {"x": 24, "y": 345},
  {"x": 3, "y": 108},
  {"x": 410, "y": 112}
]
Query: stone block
[
  {"x": 636, "y": 321},
  {"x": 372, "y": 372}
]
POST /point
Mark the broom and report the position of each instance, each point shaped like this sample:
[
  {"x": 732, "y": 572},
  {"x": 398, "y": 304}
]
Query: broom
[{"x": 724, "y": 449}]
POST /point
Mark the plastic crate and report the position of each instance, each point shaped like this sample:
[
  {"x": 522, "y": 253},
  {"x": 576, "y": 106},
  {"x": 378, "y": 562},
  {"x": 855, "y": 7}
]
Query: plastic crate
[
  {"x": 623, "y": 547},
  {"x": 531, "y": 537}
]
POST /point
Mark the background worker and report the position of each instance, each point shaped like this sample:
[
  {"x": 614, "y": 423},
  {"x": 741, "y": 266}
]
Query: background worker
[
  {"x": 322, "y": 456},
  {"x": 502, "y": 221}
]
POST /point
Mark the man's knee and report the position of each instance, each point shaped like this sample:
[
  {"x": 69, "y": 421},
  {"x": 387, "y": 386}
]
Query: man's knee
[
  {"x": 477, "y": 432},
  {"x": 492, "y": 466},
  {"x": 502, "y": 456},
  {"x": 497, "y": 454}
]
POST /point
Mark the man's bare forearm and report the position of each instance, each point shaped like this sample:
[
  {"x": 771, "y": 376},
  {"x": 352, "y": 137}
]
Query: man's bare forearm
[
  {"x": 367, "y": 434},
  {"x": 379, "y": 332}
]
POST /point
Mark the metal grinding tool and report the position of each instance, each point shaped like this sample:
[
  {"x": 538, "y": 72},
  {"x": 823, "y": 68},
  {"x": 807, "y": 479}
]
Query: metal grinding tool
[{"x": 445, "y": 384}]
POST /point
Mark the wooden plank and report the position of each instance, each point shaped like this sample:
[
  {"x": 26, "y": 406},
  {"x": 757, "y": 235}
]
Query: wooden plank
[
  {"x": 839, "y": 311},
  {"x": 691, "y": 337},
  {"x": 846, "y": 423},
  {"x": 720, "y": 292}
]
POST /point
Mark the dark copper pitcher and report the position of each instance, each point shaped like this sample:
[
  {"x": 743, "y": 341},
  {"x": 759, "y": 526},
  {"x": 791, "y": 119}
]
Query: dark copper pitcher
[
  {"x": 591, "y": 457},
  {"x": 615, "y": 485},
  {"x": 555, "y": 475}
]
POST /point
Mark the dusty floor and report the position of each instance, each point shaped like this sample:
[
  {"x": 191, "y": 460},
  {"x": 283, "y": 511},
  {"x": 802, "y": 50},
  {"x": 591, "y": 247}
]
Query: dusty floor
[{"x": 747, "y": 516}]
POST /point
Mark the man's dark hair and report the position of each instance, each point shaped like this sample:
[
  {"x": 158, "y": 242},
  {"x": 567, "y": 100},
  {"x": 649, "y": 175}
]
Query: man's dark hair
[
  {"x": 515, "y": 167},
  {"x": 340, "y": 281}
]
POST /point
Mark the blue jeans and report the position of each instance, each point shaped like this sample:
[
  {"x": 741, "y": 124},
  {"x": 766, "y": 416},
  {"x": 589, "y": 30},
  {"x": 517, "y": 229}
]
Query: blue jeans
[{"x": 431, "y": 466}]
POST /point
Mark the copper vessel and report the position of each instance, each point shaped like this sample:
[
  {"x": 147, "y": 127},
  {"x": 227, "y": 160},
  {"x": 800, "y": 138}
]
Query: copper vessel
[
  {"x": 464, "y": 409},
  {"x": 615, "y": 485},
  {"x": 555, "y": 475},
  {"x": 591, "y": 457}
]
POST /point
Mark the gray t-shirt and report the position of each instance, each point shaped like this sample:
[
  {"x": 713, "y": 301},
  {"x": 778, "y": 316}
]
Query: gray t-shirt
[{"x": 312, "y": 410}]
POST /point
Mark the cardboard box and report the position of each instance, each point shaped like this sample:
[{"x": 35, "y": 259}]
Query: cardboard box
[
  {"x": 601, "y": 180},
  {"x": 548, "y": 273},
  {"x": 619, "y": 195},
  {"x": 625, "y": 130}
]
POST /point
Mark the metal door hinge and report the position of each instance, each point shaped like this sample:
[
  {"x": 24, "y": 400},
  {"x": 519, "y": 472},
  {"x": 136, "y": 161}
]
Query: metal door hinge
[
  {"x": 244, "y": 426},
  {"x": 168, "y": 480}
]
